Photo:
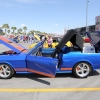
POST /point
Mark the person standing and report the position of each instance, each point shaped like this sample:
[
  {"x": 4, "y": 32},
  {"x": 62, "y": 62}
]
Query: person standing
[
  {"x": 49, "y": 41},
  {"x": 30, "y": 39},
  {"x": 33, "y": 39},
  {"x": 43, "y": 37}
]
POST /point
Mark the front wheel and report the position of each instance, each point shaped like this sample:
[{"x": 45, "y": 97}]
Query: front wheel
[
  {"x": 82, "y": 69},
  {"x": 6, "y": 71}
]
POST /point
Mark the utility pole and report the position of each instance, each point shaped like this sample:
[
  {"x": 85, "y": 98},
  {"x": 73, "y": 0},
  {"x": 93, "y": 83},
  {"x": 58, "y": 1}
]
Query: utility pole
[{"x": 87, "y": 15}]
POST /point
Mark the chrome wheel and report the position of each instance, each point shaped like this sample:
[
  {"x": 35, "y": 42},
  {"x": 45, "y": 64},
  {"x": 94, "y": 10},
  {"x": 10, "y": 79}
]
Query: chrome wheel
[
  {"x": 82, "y": 69},
  {"x": 5, "y": 71}
]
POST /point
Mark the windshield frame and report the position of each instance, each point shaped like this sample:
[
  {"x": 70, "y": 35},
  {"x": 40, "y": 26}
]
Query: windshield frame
[{"x": 38, "y": 45}]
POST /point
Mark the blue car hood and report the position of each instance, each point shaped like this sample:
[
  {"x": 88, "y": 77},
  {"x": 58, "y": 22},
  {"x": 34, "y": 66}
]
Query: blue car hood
[{"x": 10, "y": 44}]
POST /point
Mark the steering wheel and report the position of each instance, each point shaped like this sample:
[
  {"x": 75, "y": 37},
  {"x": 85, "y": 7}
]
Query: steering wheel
[{"x": 38, "y": 54}]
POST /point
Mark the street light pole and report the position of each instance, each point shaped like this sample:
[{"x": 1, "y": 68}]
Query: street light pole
[
  {"x": 68, "y": 24},
  {"x": 87, "y": 15}
]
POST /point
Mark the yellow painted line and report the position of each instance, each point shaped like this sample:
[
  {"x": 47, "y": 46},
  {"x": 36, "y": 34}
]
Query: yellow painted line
[{"x": 48, "y": 89}]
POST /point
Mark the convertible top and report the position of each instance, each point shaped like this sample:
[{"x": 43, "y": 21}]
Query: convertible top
[
  {"x": 73, "y": 37},
  {"x": 10, "y": 44},
  {"x": 94, "y": 40}
]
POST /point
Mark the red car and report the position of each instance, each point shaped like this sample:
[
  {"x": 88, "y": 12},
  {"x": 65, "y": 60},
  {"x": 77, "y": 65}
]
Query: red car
[{"x": 86, "y": 39}]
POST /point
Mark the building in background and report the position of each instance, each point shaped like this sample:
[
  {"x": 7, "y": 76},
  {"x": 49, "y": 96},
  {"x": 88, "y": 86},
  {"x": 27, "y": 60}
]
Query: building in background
[
  {"x": 91, "y": 28},
  {"x": 82, "y": 30},
  {"x": 97, "y": 23}
]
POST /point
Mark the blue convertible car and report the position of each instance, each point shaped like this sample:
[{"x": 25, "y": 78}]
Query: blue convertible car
[{"x": 37, "y": 60}]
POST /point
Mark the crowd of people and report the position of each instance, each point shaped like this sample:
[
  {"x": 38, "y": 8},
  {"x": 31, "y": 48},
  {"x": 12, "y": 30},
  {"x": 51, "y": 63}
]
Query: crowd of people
[
  {"x": 48, "y": 39},
  {"x": 23, "y": 38},
  {"x": 32, "y": 39}
]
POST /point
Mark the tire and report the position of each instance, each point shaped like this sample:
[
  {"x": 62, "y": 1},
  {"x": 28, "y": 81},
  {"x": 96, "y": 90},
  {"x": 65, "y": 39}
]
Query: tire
[
  {"x": 82, "y": 69},
  {"x": 6, "y": 71}
]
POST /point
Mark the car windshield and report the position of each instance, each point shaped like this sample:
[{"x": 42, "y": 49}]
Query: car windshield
[
  {"x": 94, "y": 33},
  {"x": 91, "y": 33},
  {"x": 36, "y": 46},
  {"x": 59, "y": 39}
]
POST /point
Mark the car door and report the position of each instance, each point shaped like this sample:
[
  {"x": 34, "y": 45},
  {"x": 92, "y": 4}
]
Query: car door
[{"x": 42, "y": 65}]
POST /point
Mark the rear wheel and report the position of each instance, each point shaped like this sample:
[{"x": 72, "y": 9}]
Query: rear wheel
[
  {"x": 6, "y": 71},
  {"x": 82, "y": 69}
]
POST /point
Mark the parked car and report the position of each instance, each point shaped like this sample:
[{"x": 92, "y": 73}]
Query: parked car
[
  {"x": 63, "y": 59},
  {"x": 86, "y": 39},
  {"x": 56, "y": 40},
  {"x": 15, "y": 39}
]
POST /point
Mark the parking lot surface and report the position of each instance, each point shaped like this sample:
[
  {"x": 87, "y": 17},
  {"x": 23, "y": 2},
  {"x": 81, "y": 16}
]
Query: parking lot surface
[{"x": 37, "y": 87}]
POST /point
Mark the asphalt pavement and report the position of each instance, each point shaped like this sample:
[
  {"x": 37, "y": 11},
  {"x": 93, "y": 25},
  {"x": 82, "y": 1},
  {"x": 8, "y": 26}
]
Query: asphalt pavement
[{"x": 37, "y": 87}]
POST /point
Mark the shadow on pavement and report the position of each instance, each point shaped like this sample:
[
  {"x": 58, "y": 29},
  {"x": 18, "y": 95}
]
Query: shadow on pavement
[
  {"x": 31, "y": 76},
  {"x": 94, "y": 73},
  {"x": 40, "y": 80},
  {"x": 36, "y": 77}
]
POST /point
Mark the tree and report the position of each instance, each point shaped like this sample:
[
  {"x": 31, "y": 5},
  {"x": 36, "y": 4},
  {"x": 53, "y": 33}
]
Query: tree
[
  {"x": 5, "y": 26},
  {"x": 13, "y": 28},
  {"x": 44, "y": 33},
  {"x": 8, "y": 31},
  {"x": 19, "y": 31},
  {"x": 25, "y": 28},
  {"x": 37, "y": 32},
  {"x": 32, "y": 32}
]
